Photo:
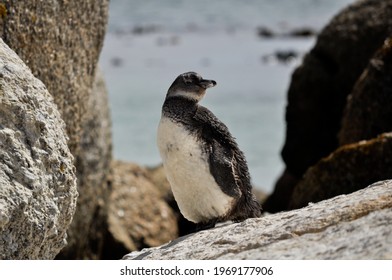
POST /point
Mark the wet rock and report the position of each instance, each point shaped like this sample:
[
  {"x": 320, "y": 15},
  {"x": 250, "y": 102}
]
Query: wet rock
[
  {"x": 37, "y": 177},
  {"x": 368, "y": 111},
  {"x": 346, "y": 170},
  {"x": 319, "y": 87},
  {"x": 138, "y": 217},
  {"x": 302, "y": 32},
  {"x": 117, "y": 62},
  {"x": 265, "y": 32},
  {"x": 87, "y": 231},
  {"x": 281, "y": 56},
  {"x": 145, "y": 29},
  {"x": 355, "y": 226}
]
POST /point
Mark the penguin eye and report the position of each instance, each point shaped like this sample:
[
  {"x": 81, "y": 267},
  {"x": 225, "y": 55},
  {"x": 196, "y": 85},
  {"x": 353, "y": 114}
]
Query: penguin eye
[
  {"x": 190, "y": 79},
  {"x": 187, "y": 80}
]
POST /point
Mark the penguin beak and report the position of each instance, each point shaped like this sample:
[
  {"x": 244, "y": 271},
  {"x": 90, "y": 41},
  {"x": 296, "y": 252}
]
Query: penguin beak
[{"x": 207, "y": 83}]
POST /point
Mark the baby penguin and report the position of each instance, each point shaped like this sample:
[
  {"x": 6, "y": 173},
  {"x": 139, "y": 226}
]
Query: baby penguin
[{"x": 207, "y": 171}]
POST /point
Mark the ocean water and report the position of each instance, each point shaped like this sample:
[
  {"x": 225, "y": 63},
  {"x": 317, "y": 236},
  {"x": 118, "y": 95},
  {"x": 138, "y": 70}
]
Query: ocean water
[{"x": 149, "y": 43}]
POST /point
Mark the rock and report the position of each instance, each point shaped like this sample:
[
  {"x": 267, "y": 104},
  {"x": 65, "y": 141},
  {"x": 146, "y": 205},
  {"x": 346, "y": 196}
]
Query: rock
[
  {"x": 146, "y": 29},
  {"x": 355, "y": 226},
  {"x": 265, "y": 32},
  {"x": 346, "y": 170},
  {"x": 138, "y": 217},
  {"x": 319, "y": 87},
  {"x": 302, "y": 32},
  {"x": 368, "y": 111},
  {"x": 281, "y": 56},
  {"x": 87, "y": 231},
  {"x": 37, "y": 177},
  {"x": 60, "y": 41}
]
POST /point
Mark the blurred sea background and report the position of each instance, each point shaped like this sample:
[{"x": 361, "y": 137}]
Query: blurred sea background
[{"x": 149, "y": 43}]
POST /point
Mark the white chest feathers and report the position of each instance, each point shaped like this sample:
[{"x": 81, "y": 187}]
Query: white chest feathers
[{"x": 195, "y": 189}]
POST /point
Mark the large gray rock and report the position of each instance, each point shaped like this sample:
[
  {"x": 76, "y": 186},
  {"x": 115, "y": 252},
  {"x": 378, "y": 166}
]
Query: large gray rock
[
  {"x": 37, "y": 177},
  {"x": 61, "y": 41},
  {"x": 320, "y": 85},
  {"x": 355, "y": 226}
]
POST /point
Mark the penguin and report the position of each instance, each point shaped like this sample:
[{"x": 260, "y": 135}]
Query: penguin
[{"x": 207, "y": 171}]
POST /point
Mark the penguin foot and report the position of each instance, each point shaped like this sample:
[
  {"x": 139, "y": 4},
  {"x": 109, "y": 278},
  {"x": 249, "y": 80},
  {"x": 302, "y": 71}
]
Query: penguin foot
[{"x": 205, "y": 225}]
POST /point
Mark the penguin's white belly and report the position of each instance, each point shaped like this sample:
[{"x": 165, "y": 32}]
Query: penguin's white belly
[{"x": 195, "y": 189}]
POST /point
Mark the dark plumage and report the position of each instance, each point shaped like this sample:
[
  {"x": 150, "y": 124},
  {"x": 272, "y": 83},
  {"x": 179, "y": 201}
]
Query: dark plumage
[{"x": 226, "y": 161}]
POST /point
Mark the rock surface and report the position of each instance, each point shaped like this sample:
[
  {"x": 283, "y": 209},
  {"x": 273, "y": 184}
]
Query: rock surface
[
  {"x": 60, "y": 41},
  {"x": 368, "y": 111},
  {"x": 138, "y": 216},
  {"x": 354, "y": 226},
  {"x": 87, "y": 232},
  {"x": 319, "y": 88},
  {"x": 37, "y": 177}
]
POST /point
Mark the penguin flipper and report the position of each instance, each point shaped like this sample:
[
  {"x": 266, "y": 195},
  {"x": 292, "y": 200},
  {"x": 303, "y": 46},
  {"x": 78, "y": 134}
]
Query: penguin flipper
[
  {"x": 221, "y": 167},
  {"x": 227, "y": 164},
  {"x": 225, "y": 157}
]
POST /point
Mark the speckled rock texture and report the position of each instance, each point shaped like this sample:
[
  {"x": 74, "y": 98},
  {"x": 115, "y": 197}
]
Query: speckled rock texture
[
  {"x": 346, "y": 170},
  {"x": 138, "y": 215},
  {"x": 37, "y": 177},
  {"x": 354, "y": 226},
  {"x": 368, "y": 111},
  {"x": 87, "y": 232},
  {"x": 60, "y": 41},
  {"x": 320, "y": 85}
]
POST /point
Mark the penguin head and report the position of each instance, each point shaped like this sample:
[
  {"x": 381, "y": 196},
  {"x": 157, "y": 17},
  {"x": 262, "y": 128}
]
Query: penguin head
[{"x": 189, "y": 85}]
